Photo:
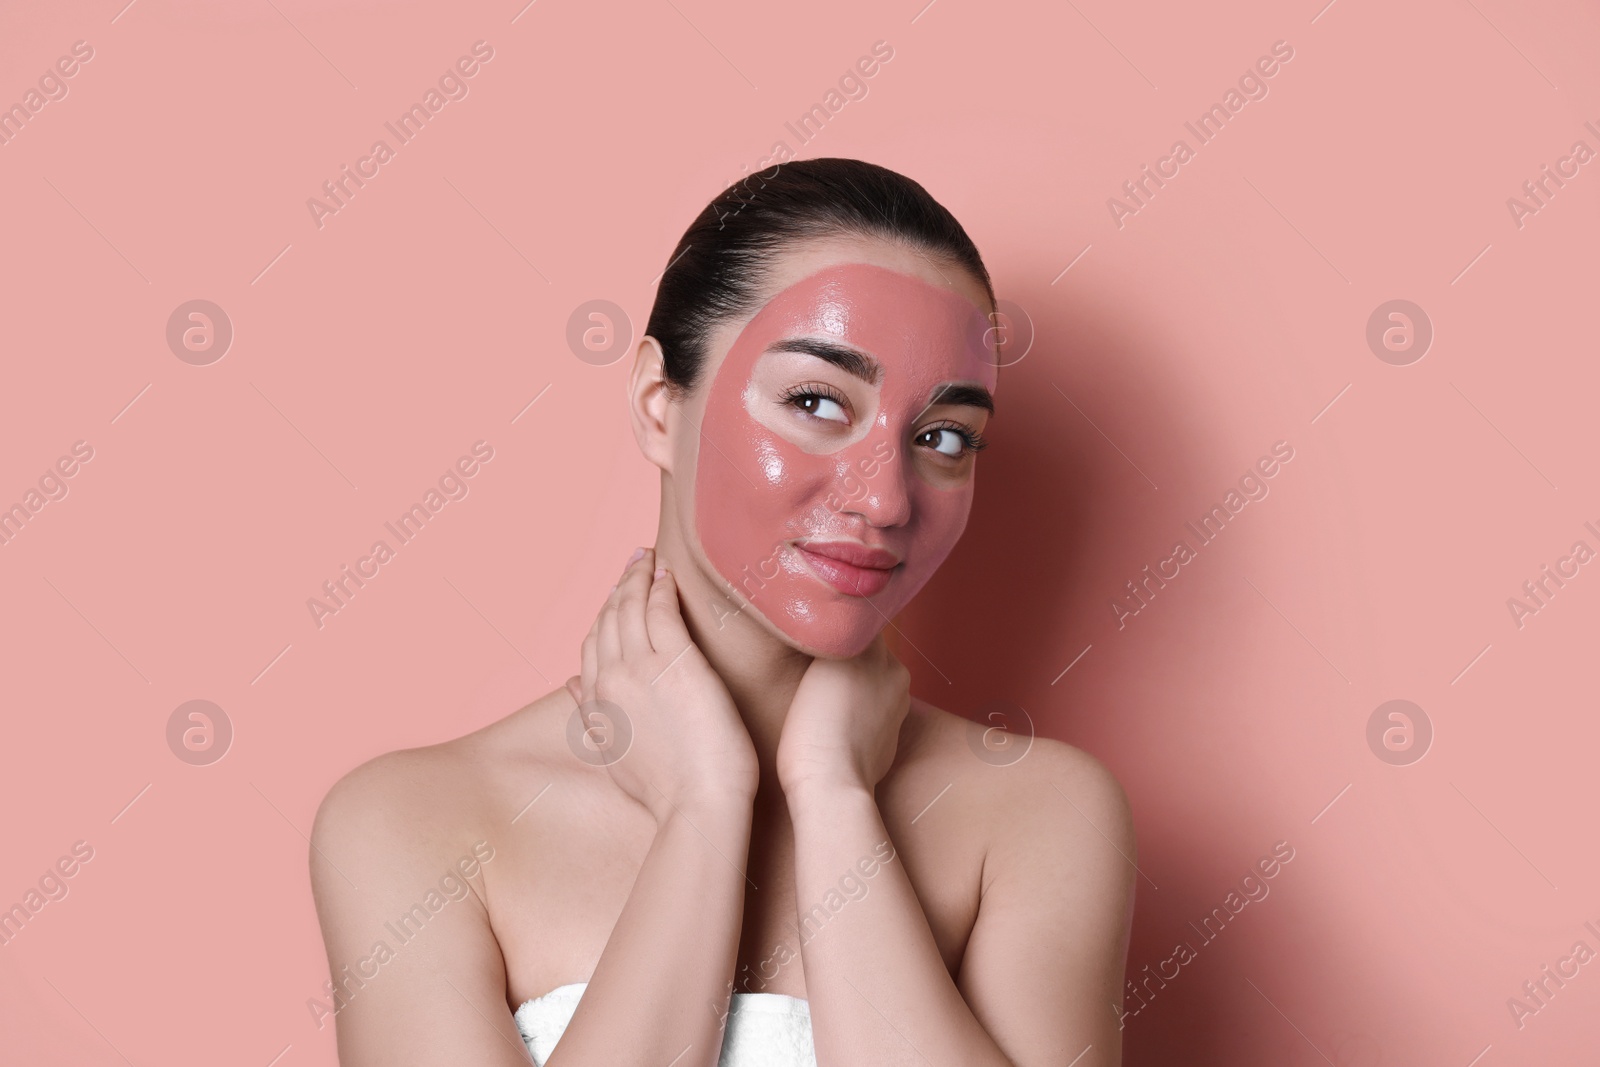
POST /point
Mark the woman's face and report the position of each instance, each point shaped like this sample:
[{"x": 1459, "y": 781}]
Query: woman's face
[{"x": 835, "y": 464}]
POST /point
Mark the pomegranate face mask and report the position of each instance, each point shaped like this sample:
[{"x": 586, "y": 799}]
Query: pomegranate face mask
[{"x": 834, "y": 472}]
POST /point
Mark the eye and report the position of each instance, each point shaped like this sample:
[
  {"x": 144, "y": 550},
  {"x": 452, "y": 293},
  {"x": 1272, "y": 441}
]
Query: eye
[
  {"x": 819, "y": 401},
  {"x": 952, "y": 439}
]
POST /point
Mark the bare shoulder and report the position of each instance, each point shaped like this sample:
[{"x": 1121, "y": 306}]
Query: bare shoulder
[
  {"x": 1048, "y": 943},
  {"x": 1019, "y": 785},
  {"x": 429, "y": 803},
  {"x": 404, "y": 854}
]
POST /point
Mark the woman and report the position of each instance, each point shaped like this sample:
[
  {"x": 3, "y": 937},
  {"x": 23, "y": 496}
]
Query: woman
[{"x": 735, "y": 833}]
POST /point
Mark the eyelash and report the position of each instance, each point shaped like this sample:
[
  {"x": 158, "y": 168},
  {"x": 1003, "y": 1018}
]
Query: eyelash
[
  {"x": 814, "y": 390},
  {"x": 973, "y": 441}
]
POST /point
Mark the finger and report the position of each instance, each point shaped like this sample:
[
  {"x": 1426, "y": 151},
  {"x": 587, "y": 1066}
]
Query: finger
[
  {"x": 632, "y": 592},
  {"x": 609, "y": 643},
  {"x": 663, "y": 617},
  {"x": 574, "y": 686}
]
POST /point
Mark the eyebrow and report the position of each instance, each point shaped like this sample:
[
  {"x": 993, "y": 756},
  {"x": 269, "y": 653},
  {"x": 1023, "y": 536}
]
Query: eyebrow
[
  {"x": 858, "y": 364},
  {"x": 963, "y": 395},
  {"x": 852, "y": 362}
]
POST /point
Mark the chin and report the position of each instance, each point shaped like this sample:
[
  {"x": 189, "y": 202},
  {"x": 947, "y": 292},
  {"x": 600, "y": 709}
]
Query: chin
[{"x": 838, "y": 630}]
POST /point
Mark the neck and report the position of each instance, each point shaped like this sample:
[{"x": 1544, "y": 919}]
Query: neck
[{"x": 760, "y": 670}]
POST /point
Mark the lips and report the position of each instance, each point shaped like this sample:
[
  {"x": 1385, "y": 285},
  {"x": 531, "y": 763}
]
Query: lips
[{"x": 851, "y": 568}]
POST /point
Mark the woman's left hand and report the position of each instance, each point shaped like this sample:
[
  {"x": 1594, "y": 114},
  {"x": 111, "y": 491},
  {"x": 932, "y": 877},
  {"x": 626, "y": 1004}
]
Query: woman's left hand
[{"x": 844, "y": 724}]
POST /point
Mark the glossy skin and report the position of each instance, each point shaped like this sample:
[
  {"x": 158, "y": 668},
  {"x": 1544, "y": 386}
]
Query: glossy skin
[
  {"x": 840, "y": 469},
  {"x": 758, "y": 777}
]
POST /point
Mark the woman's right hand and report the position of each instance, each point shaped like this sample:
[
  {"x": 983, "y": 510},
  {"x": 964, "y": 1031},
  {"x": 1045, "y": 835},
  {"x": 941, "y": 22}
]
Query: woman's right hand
[{"x": 677, "y": 741}]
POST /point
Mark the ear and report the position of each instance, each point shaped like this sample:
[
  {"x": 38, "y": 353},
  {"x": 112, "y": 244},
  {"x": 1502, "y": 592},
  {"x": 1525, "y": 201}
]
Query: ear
[{"x": 648, "y": 403}]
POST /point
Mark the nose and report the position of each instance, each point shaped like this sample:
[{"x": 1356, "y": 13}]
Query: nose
[{"x": 875, "y": 485}]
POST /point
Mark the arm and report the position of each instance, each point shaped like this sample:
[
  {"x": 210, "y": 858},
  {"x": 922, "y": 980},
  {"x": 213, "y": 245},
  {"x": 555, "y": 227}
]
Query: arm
[
  {"x": 660, "y": 989},
  {"x": 1045, "y": 958},
  {"x": 438, "y": 996},
  {"x": 878, "y": 990},
  {"x": 1043, "y": 969},
  {"x": 660, "y": 992}
]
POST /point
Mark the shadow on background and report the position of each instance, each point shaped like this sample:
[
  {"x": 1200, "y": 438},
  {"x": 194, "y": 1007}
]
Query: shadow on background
[{"x": 1059, "y": 506}]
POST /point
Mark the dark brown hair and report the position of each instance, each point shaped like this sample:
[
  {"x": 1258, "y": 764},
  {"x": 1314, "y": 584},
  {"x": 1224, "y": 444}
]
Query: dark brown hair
[{"x": 719, "y": 268}]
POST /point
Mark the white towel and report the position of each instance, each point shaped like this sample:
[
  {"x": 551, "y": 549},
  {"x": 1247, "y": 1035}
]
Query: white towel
[{"x": 763, "y": 1029}]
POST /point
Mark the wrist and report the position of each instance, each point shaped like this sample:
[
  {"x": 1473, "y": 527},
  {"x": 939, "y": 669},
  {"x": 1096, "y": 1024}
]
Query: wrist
[{"x": 819, "y": 788}]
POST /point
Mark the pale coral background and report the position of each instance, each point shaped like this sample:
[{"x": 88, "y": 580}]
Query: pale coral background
[{"x": 1223, "y": 317}]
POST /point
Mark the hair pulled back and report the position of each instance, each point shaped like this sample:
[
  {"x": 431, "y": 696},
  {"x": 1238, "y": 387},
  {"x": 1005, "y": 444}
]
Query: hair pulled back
[{"x": 718, "y": 270}]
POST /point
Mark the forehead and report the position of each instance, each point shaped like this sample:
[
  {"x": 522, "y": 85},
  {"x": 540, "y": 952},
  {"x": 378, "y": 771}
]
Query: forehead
[
  {"x": 914, "y": 320},
  {"x": 887, "y": 313},
  {"x": 804, "y": 258}
]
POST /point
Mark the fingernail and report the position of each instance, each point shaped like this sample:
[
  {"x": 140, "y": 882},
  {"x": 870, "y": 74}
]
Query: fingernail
[
  {"x": 661, "y": 572},
  {"x": 638, "y": 553}
]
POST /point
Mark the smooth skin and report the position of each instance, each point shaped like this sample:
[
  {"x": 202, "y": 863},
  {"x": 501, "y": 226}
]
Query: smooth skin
[{"x": 758, "y": 781}]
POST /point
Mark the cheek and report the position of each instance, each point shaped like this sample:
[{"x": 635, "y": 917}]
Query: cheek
[
  {"x": 941, "y": 518},
  {"x": 753, "y": 490}
]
